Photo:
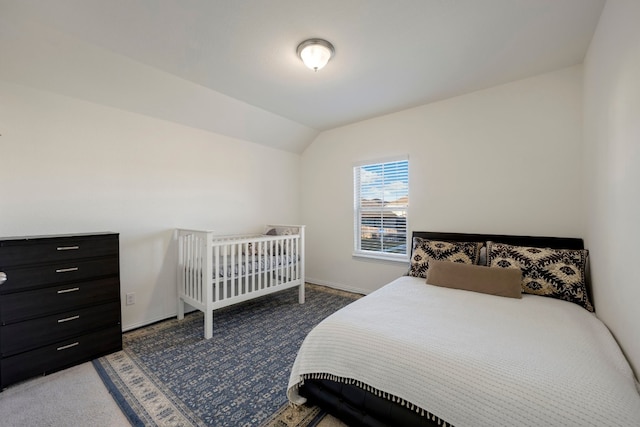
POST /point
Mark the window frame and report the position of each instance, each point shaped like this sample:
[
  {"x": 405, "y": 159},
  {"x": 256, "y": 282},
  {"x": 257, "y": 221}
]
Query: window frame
[{"x": 357, "y": 212}]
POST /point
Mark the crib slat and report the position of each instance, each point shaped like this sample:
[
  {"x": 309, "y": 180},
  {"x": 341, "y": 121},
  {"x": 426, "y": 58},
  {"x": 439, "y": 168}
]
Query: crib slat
[
  {"x": 196, "y": 289},
  {"x": 264, "y": 262},
  {"x": 250, "y": 267},
  {"x": 244, "y": 274},
  {"x": 185, "y": 265},
  {"x": 294, "y": 260},
  {"x": 242, "y": 267},
  {"x": 188, "y": 263},
  {"x": 255, "y": 265},
  {"x": 217, "y": 272},
  {"x": 202, "y": 280},
  {"x": 234, "y": 271},
  {"x": 191, "y": 266},
  {"x": 196, "y": 283},
  {"x": 225, "y": 270},
  {"x": 298, "y": 257},
  {"x": 289, "y": 258},
  {"x": 255, "y": 261},
  {"x": 289, "y": 255},
  {"x": 241, "y": 272},
  {"x": 283, "y": 261}
]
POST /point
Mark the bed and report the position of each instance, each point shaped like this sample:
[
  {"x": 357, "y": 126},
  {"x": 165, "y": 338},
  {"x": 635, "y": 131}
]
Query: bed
[
  {"x": 216, "y": 271},
  {"x": 415, "y": 353}
]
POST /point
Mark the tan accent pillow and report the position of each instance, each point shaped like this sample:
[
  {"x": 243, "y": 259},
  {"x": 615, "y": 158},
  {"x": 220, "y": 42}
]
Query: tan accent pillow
[{"x": 504, "y": 282}]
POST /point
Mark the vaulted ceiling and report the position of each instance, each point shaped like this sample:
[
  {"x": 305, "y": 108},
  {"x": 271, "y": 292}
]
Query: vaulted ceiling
[{"x": 231, "y": 66}]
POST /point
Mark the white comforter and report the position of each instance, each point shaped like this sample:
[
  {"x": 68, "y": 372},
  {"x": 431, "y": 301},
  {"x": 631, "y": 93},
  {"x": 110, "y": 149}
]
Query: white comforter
[{"x": 476, "y": 360}]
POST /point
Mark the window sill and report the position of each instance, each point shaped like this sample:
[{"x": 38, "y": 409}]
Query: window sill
[{"x": 398, "y": 258}]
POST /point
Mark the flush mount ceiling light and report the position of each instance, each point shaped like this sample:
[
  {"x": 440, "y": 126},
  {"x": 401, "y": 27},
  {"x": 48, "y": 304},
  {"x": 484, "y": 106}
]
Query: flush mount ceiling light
[{"x": 315, "y": 53}]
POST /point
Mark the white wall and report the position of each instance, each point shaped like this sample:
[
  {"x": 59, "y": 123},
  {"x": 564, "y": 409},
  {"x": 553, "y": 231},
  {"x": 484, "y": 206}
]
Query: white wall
[
  {"x": 612, "y": 140},
  {"x": 38, "y": 55},
  {"x": 69, "y": 166},
  {"x": 502, "y": 160}
]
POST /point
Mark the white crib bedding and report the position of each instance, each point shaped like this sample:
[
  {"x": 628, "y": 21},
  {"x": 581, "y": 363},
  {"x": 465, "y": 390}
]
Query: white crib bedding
[
  {"x": 474, "y": 359},
  {"x": 245, "y": 265}
]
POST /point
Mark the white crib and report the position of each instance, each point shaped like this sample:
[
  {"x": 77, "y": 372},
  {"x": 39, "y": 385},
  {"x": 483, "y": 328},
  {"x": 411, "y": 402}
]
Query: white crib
[{"x": 218, "y": 271}]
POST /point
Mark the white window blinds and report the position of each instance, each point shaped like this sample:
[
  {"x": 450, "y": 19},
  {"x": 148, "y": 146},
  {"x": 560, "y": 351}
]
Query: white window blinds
[{"x": 380, "y": 209}]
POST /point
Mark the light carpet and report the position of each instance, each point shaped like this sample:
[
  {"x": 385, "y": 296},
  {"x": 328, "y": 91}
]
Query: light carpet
[
  {"x": 168, "y": 375},
  {"x": 69, "y": 398}
]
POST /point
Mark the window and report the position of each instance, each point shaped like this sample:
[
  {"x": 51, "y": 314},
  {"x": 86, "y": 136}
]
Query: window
[{"x": 380, "y": 209}]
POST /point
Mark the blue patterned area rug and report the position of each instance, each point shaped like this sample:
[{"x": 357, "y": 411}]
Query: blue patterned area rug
[{"x": 168, "y": 375}]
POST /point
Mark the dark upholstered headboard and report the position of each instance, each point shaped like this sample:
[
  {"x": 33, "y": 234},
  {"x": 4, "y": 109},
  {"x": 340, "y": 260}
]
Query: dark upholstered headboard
[{"x": 536, "y": 241}]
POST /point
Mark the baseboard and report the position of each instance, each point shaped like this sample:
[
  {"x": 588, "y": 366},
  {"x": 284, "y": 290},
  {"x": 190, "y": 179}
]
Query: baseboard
[
  {"x": 338, "y": 286},
  {"x": 147, "y": 322},
  {"x": 127, "y": 328}
]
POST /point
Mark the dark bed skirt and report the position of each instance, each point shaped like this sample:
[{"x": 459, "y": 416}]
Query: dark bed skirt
[{"x": 358, "y": 407}]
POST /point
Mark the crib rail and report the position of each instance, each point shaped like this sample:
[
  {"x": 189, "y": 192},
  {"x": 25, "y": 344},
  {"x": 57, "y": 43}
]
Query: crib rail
[{"x": 217, "y": 271}]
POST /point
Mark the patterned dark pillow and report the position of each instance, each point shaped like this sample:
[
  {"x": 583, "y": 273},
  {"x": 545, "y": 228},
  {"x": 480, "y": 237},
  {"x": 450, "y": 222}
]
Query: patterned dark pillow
[
  {"x": 556, "y": 273},
  {"x": 425, "y": 250}
]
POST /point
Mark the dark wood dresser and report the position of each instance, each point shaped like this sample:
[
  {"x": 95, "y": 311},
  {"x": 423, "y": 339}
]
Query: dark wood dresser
[{"x": 59, "y": 302}]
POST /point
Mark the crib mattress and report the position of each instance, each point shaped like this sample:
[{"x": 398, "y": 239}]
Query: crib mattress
[{"x": 250, "y": 264}]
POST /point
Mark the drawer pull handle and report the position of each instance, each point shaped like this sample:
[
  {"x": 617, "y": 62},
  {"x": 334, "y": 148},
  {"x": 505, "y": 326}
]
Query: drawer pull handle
[
  {"x": 66, "y": 319},
  {"x": 3, "y": 277},
  {"x": 64, "y": 347},
  {"x": 67, "y": 248},
  {"x": 64, "y": 291},
  {"x": 66, "y": 270}
]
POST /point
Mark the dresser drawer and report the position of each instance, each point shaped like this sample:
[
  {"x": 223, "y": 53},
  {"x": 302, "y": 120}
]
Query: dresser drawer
[
  {"x": 24, "y": 336},
  {"x": 57, "y": 299},
  {"x": 23, "y": 278},
  {"x": 44, "y": 250},
  {"x": 60, "y": 355}
]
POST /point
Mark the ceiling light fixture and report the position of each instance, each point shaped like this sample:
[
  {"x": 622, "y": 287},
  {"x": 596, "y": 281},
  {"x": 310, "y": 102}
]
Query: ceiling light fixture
[{"x": 315, "y": 53}]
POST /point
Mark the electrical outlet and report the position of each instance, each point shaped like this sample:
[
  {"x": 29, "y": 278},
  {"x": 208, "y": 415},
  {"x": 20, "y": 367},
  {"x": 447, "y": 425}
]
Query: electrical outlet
[{"x": 131, "y": 298}]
